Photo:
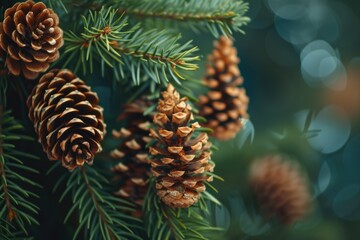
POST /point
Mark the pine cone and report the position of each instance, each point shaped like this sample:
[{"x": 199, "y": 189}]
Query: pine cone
[
  {"x": 134, "y": 169},
  {"x": 67, "y": 118},
  {"x": 225, "y": 103},
  {"x": 280, "y": 189},
  {"x": 180, "y": 161},
  {"x": 30, "y": 37}
]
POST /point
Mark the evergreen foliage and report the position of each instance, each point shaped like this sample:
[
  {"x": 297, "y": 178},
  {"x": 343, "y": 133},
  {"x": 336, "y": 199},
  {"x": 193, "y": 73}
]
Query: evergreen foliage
[
  {"x": 220, "y": 17},
  {"x": 138, "y": 44},
  {"x": 105, "y": 38},
  {"x": 17, "y": 209},
  {"x": 99, "y": 212},
  {"x": 164, "y": 222}
]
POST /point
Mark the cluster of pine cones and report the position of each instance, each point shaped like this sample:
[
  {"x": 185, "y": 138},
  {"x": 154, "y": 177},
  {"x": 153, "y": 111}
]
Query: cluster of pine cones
[
  {"x": 69, "y": 121},
  {"x": 180, "y": 157},
  {"x": 66, "y": 114}
]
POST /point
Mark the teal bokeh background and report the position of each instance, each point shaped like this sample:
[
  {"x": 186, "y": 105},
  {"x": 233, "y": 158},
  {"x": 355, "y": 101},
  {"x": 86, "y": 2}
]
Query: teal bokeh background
[{"x": 300, "y": 63}]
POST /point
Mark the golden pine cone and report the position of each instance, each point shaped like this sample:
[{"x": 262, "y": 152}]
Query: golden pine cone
[
  {"x": 67, "y": 118},
  {"x": 30, "y": 37},
  {"x": 133, "y": 171},
  {"x": 225, "y": 103},
  {"x": 280, "y": 188},
  {"x": 180, "y": 160}
]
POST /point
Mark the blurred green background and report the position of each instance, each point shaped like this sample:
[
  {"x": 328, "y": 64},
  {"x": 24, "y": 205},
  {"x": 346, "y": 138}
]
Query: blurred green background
[{"x": 300, "y": 62}]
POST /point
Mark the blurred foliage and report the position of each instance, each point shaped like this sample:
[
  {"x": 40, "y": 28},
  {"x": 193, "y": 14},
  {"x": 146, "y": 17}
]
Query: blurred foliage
[{"x": 274, "y": 79}]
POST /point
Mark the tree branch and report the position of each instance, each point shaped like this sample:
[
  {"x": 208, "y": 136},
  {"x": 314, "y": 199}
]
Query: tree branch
[
  {"x": 179, "y": 16},
  {"x": 217, "y": 16},
  {"x": 169, "y": 222},
  {"x": 100, "y": 214},
  {"x": 105, "y": 38},
  {"x": 128, "y": 51},
  {"x": 96, "y": 203},
  {"x": 11, "y": 213}
]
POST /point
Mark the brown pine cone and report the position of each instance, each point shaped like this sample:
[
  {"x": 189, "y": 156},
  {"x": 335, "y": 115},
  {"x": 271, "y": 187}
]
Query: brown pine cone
[
  {"x": 225, "y": 104},
  {"x": 30, "y": 37},
  {"x": 133, "y": 171},
  {"x": 180, "y": 160},
  {"x": 280, "y": 188},
  {"x": 67, "y": 118}
]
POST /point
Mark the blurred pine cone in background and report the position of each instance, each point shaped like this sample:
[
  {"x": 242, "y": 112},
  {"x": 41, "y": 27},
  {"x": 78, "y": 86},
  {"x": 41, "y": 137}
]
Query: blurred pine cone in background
[
  {"x": 133, "y": 169},
  {"x": 30, "y": 38},
  {"x": 226, "y": 103},
  {"x": 280, "y": 188}
]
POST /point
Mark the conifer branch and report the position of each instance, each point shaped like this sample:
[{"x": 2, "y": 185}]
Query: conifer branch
[
  {"x": 10, "y": 211},
  {"x": 100, "y": 214},
  {"x": 16, "y": 210},
  {"x": 5, "y": 230},
  {"x": 218, "y": 16},
  {"x": 190, "y": 223},
  {"x": 104, "y": 39}
]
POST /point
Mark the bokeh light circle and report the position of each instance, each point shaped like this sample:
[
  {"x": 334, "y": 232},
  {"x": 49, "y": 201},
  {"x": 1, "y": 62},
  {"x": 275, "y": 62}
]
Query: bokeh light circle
[
  {"x": 324, "y": 177},
  {"x": 320, "y": 66},
  {"x": 329, "y": 129},
  {"x": 297, "y": 32},
  {"x": 290, "y": 10}
]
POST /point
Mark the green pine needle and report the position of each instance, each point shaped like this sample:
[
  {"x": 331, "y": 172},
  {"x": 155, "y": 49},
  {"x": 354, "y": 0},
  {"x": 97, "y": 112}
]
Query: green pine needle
[
  {"x": 220, "y": 17},
  {"x": 100, "y": 214},
  {"x": 164, "y": 222},
  {"x": 105, "y": 38},
  {"x": 17, "y": 211}
]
